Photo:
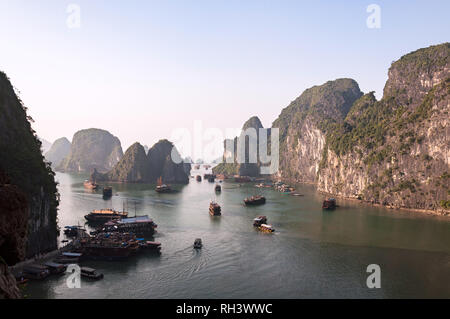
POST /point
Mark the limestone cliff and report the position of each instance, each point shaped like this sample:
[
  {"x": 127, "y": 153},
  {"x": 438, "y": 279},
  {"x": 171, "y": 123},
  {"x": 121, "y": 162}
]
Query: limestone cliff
[
  {"x": 305, "y": 122},
  {"x": 132, "y": 167},
  {"x": 92, "y": 149},
  {"x": 58, "y": 151},
  {"x": 393, "y": 152},
  {"x": 14, "y": 212},
  {"x": 246, "y": 166},
  {"x": 21, "y": 159},
  {"x": 137, "y": 167},
  {"x": 396, "y": 152}
]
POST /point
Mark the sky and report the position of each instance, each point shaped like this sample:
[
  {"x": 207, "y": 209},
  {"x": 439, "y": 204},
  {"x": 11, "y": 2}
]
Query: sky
[{"x": 144, "y": 69}]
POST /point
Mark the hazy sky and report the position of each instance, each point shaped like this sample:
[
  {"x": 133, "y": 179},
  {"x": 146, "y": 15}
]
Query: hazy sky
[{"x": 141, "y": 69}]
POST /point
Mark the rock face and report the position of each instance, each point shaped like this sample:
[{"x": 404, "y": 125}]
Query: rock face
[
  {"x": 393, "y": 152},
  {"x": 132, "y": 167},
  {"x": 246, "y": 165},
  {"x": 161, "y": 164},
  {"x": 14, "y": 212},
  {"x": 27, "y": 169},
  {"x": 92, "y": 149},
  {"x": 137, "y": 167},
  {"x": 59, "y": 150}
]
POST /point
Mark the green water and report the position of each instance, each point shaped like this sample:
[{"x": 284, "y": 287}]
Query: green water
[{"x": 312, "y": 254}]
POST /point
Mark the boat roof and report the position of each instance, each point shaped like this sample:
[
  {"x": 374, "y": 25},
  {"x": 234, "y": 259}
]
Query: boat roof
[
  {"x": 267, "y": 226},
  {"x": 87, "y": 269},
  {"x": 53, "y": 265},
  {"x": 35, "y": 267},
  {"x": 72, "y": 254},
  {"x": 107, "y": 211},
  {"x": 137, "y": 219}
]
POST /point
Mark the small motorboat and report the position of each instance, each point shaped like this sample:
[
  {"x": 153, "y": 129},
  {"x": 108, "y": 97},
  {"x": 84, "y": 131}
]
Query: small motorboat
[
  {"x": 218, "y": 188},
  {"x": 91, "y": 273},
  {"x": 198, "y": 243},
  {"x": 266, "y": 228},
  {"x": 255, "y": 200},
  {"x": 260, "y": 220}
]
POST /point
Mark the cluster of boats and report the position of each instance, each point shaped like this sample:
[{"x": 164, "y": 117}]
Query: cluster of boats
[{"x": 41, "y": 271}]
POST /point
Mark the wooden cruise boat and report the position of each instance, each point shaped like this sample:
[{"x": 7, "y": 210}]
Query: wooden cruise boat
[
  {"x": 162, "y": 188},
  {"x": 255, "y": 200},
  {"x": 215, "y": 209},
  {"x": 104, "y": 215},
  {"x": 266, "y": 228}
]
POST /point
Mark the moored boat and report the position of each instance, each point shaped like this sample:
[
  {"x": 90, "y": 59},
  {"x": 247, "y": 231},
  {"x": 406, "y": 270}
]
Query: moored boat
[
  {"x": 139, "y": 225},
  {"x": 91, "y": 273},
  {"x": 107, "y": 192},
  {"x": 104, "y": 215},
  {"x": 255, "y": 200},
  {"x": 55, "y": 268},
  {"x": 68, "y": 258},
  {"x": 215, "y": 209},
  {"x": 90, "y": 185},
  {"x": 36, "y": 272},
  {"x": 218, "y": 188},
  {"x": 150, "y": 246},
  {"x": 73, "y": 231},
  {"x": 329, "y": 204},
  {"x": 198, "y": 178}
]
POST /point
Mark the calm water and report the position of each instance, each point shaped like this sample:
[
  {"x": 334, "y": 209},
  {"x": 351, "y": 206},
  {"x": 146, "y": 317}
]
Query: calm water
[{"x": 313, "y": 254}]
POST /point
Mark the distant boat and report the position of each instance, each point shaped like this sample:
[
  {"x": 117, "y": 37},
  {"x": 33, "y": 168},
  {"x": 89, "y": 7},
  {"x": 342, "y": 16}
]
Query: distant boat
[
  {"x": 218, "y": 188},
  {"x": 90, "y": 185},
  {"x": 162, "y": 188},
  {"x": 260, "y": 220},
  {"x": 36, "y": 272},
  {"x": 329, "y": 204},
  {"x": 215, "y": 209},
  {"x": 198, "y": 243},
  {"x": 255, "y": 200},
  {"x": 266, "y": 228},
  {"x": 198, "y": 178},
  {"x": 107, "y": 192}
]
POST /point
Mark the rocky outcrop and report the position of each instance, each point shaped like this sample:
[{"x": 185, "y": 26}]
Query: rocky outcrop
[
  {"x": 249, "y": 164},
  {"x": 133, "y": 166},
  {"x": 165, "y": 161},
  {"x": 14, "y": 212},
  {"x": 25, "y": 166},
  {"x": 304, "y": 124},
  {"x": 397, "y": 152},
  {"x": 137, "y": 167},
  {"x": 59, "y": 150},
  {"x": 393, "y": 152},
  {"x": 92, "y": 149}
]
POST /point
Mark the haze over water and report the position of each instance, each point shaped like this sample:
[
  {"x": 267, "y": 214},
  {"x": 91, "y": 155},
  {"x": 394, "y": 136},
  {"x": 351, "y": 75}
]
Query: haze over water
[{"x": 312, "y": 254}]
